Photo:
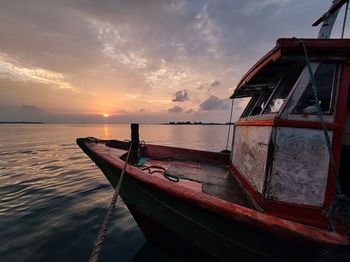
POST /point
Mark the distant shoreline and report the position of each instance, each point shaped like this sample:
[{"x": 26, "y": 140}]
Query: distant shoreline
[
  {"x": 20, "y": 122},
  {"x": 196, "y": 123}
]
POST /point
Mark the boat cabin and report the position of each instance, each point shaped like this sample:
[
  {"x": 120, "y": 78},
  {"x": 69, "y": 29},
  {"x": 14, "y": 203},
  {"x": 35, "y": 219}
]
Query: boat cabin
[{"x": 279, "y": 151}]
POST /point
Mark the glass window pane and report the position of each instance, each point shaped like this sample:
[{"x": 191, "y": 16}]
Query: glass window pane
[
  {"x": 282, "y": 92},
  {"x": 241, "y": 105},
  {"x": 324, "y": 81},
  {"x": 260, "y": 104}
]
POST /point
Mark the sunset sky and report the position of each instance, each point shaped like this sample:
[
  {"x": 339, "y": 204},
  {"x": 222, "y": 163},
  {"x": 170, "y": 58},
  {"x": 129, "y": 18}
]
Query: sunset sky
[{"x": 85, "y": 61}]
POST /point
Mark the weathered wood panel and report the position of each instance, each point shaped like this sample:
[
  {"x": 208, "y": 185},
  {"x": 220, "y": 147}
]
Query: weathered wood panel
[
  {"x": 250, "y": 152},
  {"x": 300, "y": 166}
]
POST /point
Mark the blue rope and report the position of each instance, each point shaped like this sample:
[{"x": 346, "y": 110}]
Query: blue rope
[{"x": 341, "y": 204}]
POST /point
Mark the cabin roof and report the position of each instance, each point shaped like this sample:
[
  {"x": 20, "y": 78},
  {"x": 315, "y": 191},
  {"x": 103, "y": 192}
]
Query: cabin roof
[{"x": 287, "y": 53}]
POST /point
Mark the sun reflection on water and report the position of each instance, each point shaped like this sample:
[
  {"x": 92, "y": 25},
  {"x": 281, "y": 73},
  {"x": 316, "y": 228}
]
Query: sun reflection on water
[{"x": 106, "y": 131}]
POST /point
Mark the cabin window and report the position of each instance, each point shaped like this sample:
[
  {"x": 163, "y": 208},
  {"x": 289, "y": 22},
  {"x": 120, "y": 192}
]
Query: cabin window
[
  {"x": 260, "y": 104},
  {"x": 269, "y": 88},
  {"x": 256, "y": 104},
  {"x": 324, "y": 77},
  {"x": 282, "y": 91},
  {"x": 249, "y": 107}
]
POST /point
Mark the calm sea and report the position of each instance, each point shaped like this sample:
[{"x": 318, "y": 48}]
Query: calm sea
[{"x": 53, "y": 198}]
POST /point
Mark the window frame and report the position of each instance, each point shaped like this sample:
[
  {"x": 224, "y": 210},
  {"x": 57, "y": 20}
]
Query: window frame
[
  {"x": 277, "y": 89},
  {"x": 335, "y": 82},
  {"x": 286, "y": 112},
  {"x": 256, "y": 99}
]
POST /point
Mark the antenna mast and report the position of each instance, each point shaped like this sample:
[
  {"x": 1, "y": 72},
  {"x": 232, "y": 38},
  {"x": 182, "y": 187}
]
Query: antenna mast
[{"x": 328, "y": 19}]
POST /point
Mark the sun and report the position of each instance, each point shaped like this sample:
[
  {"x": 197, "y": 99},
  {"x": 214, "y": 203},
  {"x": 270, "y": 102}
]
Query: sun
[{"x": 105, "y": 115}]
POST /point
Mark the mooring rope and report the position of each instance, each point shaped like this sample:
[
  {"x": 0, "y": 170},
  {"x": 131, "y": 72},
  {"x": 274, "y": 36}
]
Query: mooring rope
[{"x": 103, "y": 230}]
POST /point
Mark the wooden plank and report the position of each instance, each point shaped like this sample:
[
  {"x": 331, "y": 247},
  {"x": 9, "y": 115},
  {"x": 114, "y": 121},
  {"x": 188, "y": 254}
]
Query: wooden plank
[
  {"x": 207, "y": 173},
  {"x": 216, "y": 180},
  {"x": 250, "y": 152},
  {"x": 300, "y": 166},
  {"x": 230, "y": 192}
]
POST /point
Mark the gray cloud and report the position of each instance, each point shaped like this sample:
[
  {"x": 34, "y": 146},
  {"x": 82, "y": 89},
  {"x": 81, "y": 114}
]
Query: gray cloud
[
  {"x": 209, "y": 85},
  {"x": 215, "y": 83},
  {"x": 175, "y": 109},
  {"x": 112, "y": 47},
  {"x": 200, "y": 32},
  {"x": 30, "y": 108},
  {"x": 23, "y": 113},
  {"x": 180, "y": 96},
  {"x": 215, "y": 103},
  {"x": 190, "y": 111},
  {"x": 201, "y": 87},
  {"x": 41, "y": 96}
]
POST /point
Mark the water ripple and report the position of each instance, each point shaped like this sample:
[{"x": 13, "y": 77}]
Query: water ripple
[{"x": 53, "y": 198}]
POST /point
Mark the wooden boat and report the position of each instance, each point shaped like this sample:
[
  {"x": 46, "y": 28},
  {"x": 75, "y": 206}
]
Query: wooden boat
[{"x": 269, "y": 199}]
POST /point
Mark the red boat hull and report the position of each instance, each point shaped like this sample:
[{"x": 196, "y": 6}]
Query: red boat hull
[{"x": 171, "y": 216}]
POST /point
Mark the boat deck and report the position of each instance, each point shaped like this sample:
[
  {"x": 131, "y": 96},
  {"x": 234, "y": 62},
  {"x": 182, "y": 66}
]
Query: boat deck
[
  {"x": 189, "y": 171},
  {"x": 212, "y": 179}
]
